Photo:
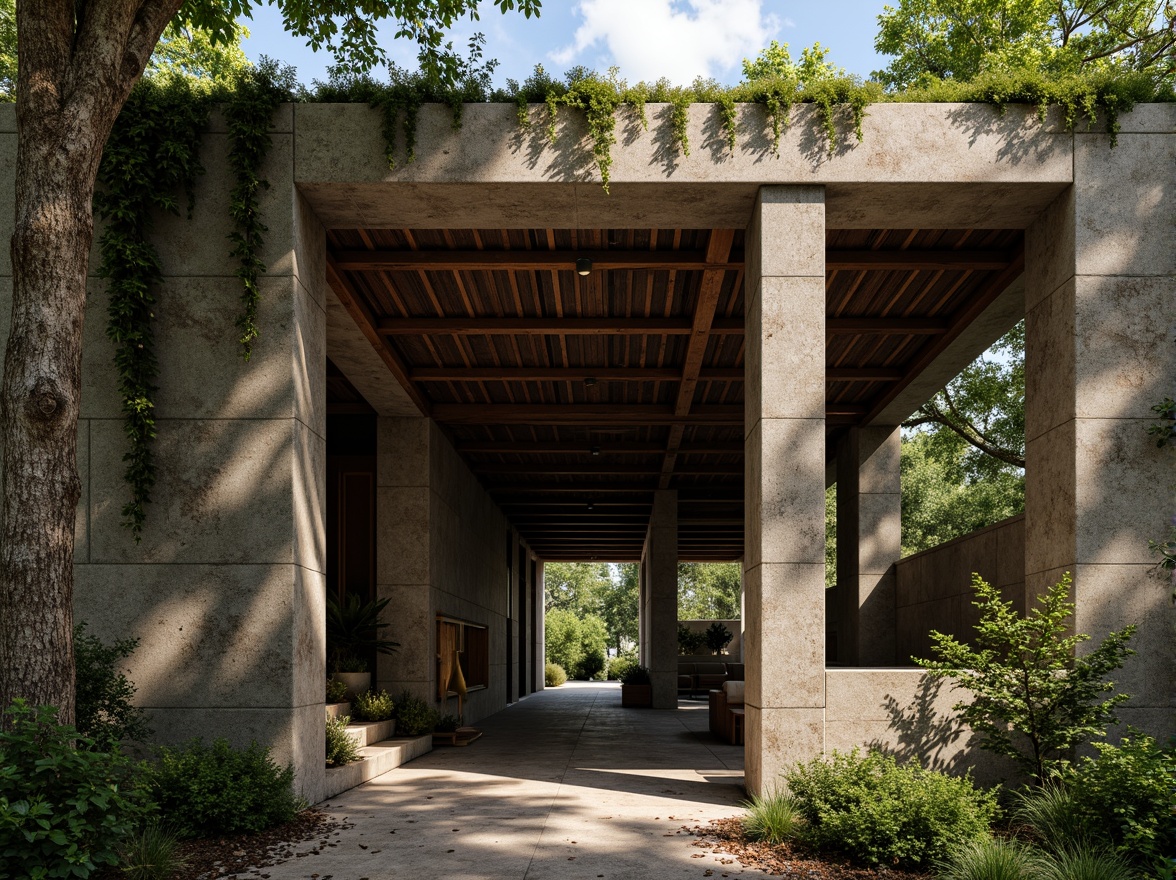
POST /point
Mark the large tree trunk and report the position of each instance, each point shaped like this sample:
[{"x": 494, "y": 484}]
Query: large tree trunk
[{"x": 78, "y": 63}]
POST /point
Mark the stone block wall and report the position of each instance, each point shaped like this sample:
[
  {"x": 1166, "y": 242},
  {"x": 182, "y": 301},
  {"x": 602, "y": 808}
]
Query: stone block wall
[{"x": 934, "y": 588}]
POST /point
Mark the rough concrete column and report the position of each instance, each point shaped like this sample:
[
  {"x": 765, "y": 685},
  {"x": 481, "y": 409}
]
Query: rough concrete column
[
  {"x": 1100, "y": 314},
  {"x": 403, "y": 558},
  {"x": 784, "y": 426},
  {"x": 660, "y": 562},
  {"x": 540, "y": 642},
  {"x": 869, "y": 543}
]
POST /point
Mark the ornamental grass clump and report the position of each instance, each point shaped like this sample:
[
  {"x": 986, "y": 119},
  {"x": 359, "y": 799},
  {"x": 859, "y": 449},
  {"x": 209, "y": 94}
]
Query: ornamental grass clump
[
  {"x": 880, "y": 812},
  {"x": 988, "y": 858},
  {"x": 772, "y": 818}
]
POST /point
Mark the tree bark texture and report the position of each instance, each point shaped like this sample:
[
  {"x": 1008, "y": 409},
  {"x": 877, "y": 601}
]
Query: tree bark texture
[{"x": 78, "y": 63}]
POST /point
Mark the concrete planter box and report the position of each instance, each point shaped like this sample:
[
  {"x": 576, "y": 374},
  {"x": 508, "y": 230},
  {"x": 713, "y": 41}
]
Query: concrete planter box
[
  {"x": 637, "y": 696},
  {"x": 357, "y": 682},
  {"x": 338, "y": 710}
]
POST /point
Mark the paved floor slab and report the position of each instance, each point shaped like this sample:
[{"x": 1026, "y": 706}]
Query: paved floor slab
[{"x": 564, "y": 785}]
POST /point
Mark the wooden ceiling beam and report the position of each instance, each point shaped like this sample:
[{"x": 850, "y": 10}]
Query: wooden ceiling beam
[
  {"x": 917, "y": 260},
  {"x": 475, "y": 447},
  {"x": 974, "y": 307},
  {"x": 620, "y": 326},
  {"x": 568, "y": 374},
  {"x": 595, "y": 468},
  {"x": 522, "y": 260},
  {"x": 360, "y": 313},
  {"x": 863, "y": 374},
  {"x": 592, "y": 415},
  {"x": 886, "y": 326},
  {"x": 718, "y": 249}
]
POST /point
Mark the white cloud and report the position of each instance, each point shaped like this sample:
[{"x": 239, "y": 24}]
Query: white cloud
[{"x": 677, "y": 39}]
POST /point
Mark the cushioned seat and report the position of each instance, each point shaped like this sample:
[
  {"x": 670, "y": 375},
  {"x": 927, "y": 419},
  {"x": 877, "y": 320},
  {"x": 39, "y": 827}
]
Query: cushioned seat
[
  {"x": 686, "y": 677},
  {"x": 709, "y": 675}
]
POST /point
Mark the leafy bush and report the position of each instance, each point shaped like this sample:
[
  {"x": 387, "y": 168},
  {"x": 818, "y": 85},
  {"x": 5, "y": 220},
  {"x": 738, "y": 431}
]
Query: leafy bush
[
  {"x": 206, "y": 790},
  {"x": 341, "y": 748},
  {"x": 881, "y": 812},
  {"x": 635, "y": 675},
  {"x": 336, "y": 691},
  {"x": 1128, "y": 795},
  {"x": 1034, "y": 699},
  {"x": 576, "y": 643},
  {"x": 65, "y": 810},
  {"x": 152, "y": 854},
  {"x": 717, "y": 637},
  {"x": 104, "y": 710},
  {"x": 447, "y": 724},
  {"x": 772, "y": 818},
  {"x": 554, "y": 675},
  {"x": 370, "y": 706},
  {"x": 690, "y": 641},
  {"x": 413, "y": 715},
  {"x": 989, "y": 859},
  {"x": 618, "y": 666},
  {"x": 353, "y": 632}
]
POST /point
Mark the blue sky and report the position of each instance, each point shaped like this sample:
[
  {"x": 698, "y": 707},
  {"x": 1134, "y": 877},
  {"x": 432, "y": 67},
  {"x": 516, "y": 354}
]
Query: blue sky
[{"x": 680, "y": 39}]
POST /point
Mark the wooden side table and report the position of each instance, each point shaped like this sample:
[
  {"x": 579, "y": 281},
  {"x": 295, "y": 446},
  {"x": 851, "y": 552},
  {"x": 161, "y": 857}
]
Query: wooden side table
[{"x": 736, "y": 725}]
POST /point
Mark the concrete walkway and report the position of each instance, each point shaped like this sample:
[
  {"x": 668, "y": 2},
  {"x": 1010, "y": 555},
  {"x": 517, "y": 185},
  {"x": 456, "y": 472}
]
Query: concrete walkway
[{"x": 565, "y": 784}]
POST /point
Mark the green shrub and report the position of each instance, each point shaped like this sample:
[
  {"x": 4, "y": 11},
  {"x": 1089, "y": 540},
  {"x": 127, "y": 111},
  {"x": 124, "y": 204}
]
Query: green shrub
[
  {"x": 370, "y": 706},
  {"x": 336, "y": 691},
  {"x": 717, "y": 637},
  {"x": 635, "y": 675},
  {"x": 206, "y": 790},
  {"x": 65, "y": 809},
  {"x": 104, "y": 711},
  {"x": 618, "y": 666},
  {"x": 591, "y": 667},
  {"x": 152, "y": 854},
  {"x": 1128, "y": 794},
  {"x": 447, "y": 724},
  {"x": 413, "y": 715},
  {"x": 578, "y": 644},
  {"x": 554, "y": 675},
  {"x": 989, "y": 859},
  {"x": 772, "y": 818},
  {"x": 341, "y": 748},
  {"x": 690, "y": 641},
  {"x": 881, "y": 812}
]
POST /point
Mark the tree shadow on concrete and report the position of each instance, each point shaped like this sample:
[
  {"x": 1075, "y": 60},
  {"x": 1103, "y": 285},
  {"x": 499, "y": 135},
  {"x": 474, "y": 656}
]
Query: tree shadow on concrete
[{"x": 924, "y": 734}]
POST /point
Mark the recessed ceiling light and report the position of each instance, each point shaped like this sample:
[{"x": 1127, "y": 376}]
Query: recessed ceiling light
[{"x": 596, "y": 450}]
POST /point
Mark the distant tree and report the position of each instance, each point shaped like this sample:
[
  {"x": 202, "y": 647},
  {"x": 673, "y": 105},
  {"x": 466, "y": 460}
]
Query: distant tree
[
  {"x": 775, "y": 61},
  {"x": 619, "y": 600},
  {"x": 576, "y": 643},
  {"x": 599, "y": 590},
  {"x": 7, "y": 50},
  {"x": 960, "y": 38},
  {"x": 984, "y": 408},
  {"x": 186, "y": 50},
  {"x": 709, "y": 590},
  {"x": 940, "y": 501}
]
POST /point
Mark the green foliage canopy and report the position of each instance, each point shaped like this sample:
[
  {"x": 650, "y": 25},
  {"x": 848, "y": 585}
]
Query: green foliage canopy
[
  {"x": 1033, "y": 699},
  {"x": 960, "y": 39},
  {"x": 709, "y": 590}
]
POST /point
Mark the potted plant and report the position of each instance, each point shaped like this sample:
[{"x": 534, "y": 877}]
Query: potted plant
[
  {"x": 636, "y": 689},
  {"x": 353, "y": 635},
  {"x": 717, "y": 637}
]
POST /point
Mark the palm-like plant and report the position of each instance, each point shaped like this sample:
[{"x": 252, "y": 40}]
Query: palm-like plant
[{"x": 353, "y": 629}]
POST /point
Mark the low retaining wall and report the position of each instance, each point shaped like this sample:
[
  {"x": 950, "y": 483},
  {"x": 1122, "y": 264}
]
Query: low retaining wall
[
  {"x": 906, "y": 713},
  {"x": 934, "y": 588}
]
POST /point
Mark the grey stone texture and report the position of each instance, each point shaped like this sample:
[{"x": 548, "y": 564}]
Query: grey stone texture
[
  {"x": 784, "y": 480},
  {"x": 934, "y": 588},
  {"x": 1101, "y": 305},
  {"x": 440, "y": 550},
  {"x": 660, "y": 603}
]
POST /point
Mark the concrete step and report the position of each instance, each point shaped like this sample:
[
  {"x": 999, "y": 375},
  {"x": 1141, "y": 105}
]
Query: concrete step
[
  {"x": 366, "y": 733},
  {"x": 378, "y": 759},
  {"x": 334, "y": 710}
]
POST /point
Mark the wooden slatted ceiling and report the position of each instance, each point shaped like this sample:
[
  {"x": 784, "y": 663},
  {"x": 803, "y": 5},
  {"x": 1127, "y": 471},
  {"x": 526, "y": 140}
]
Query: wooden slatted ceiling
[{"x": 573, "y": 398}]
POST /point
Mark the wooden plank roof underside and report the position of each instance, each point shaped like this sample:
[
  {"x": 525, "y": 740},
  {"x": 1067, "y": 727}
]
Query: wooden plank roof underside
[{"x": 573, "y": 397}]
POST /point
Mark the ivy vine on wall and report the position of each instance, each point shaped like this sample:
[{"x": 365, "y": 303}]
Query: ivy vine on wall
[{"x": 151, "y": 163}]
